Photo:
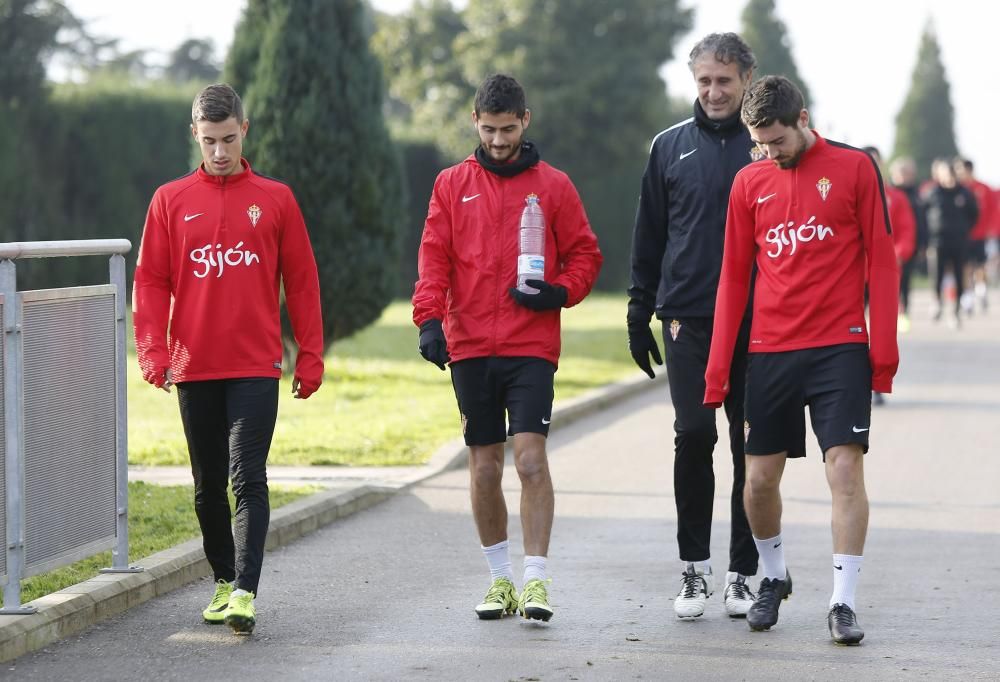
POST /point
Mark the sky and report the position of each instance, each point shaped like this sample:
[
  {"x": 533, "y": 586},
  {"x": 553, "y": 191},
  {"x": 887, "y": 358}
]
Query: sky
[{"x": 857, "y": 56}]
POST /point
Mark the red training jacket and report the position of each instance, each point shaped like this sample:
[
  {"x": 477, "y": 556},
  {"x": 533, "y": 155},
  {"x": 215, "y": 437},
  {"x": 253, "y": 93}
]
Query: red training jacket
[
  {"x": 468, "y": 259},
  {"x": 984, "y": 227},
  {"x": 903, "y": 223},
  {"x": 215, "y": 250},
  {"x": 813, "y": 231}
]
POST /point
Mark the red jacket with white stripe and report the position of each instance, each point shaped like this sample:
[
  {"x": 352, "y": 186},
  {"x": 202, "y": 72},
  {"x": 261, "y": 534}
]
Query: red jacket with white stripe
[
  {"x": 205, "y": 302},
  {"x": 815, "y": 231},
  {"x": 468, "y": 259}
]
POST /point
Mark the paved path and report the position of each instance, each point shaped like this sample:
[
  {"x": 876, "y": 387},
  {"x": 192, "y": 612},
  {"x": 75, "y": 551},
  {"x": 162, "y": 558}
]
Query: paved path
[{"x": 387, "y": 594}]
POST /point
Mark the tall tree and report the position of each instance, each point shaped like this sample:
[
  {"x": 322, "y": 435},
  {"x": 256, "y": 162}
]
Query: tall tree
[
  {"x": 768, "y": 38},
  {"x": 28, "y": 36},
  {"x": 28, "y": 30},
  {"x": 425, "y": 80},
  {"x": 244, "y": 52},
  {"x": 193, "y": 60},
  {"x": 315, "y": 102},
  {"x": 925, "y": 126},
  {"x": 590, "y": 69}
]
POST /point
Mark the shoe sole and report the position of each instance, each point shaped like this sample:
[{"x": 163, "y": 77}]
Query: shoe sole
[
  {"x": 214, "y": 621},
  {"x": 493, "y": 614},
  {"x": 849, "y": 642},
  {"x": 536, "y": 613},
  {"x": 241, "y": 625}
]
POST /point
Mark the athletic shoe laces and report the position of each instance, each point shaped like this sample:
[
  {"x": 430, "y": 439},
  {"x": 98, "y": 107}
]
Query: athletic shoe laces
[
  {"x": 498, "y": 591},
  {"x": 739, "y": 590},
  {"x": 767, "y": 593},
  {"x": 242, "y": 601},
  {"x": 844, "y": 616},
  {"x": 535, "y": 591},
  {"x": 691, "y": 585},
  {"x": 221, "y": 597}
]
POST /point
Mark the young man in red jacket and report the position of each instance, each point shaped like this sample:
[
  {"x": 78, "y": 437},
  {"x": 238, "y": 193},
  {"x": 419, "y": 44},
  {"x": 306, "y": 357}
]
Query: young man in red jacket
[
  {"x": 216, "y": 246},
  {"x": 813, "y": 217},
  {"x": 975, "y": 275},
  {"x": 502, "y": 344}
]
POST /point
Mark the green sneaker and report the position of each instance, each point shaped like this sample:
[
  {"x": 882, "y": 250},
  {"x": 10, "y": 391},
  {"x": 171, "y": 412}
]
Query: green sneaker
[
  {"x": 240, "y": 615},
  {"x": 500, "y": 600},
  {"x": 213, "y": 612},
  {"x": 534, "y": 602}
]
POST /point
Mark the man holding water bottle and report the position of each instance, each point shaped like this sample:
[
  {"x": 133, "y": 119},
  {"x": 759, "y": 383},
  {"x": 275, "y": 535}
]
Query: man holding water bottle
[{"x": 487, "y": 302}]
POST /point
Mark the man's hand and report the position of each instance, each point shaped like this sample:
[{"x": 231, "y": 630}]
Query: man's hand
[
  {"x": 549, "y": 297},
  {"x": 433, "y": 346},
  {"x": 168, "y": 380},
  {"x": 300, "y": 390},
  {"x": 641, "y": 342}
]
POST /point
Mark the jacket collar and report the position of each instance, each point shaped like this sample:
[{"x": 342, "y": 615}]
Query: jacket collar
[
  {"x": 226, "y": 180},
  {"x": 726, "y": 126},
  {"x": 528, "y": 157}
]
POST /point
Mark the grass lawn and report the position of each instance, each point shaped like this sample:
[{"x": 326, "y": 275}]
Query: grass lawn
[
  {"x": 381, "y": 403},
  {"x": 159, "y": 517}
]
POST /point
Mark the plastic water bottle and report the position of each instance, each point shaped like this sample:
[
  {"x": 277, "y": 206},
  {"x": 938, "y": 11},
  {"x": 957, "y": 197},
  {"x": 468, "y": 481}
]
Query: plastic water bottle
[{"x": 531, "y": 258}]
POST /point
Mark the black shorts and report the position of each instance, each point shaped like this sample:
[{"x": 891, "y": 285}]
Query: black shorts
[
  {"x": 486, "y": 388},
  {"x": 834, "y": 381},
  {"x": 975, "y": 252}
]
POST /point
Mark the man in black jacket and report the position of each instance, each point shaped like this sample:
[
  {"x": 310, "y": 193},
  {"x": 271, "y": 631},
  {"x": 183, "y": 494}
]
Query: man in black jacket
[
  {"x": 676, "y": 261},
  {"x": 951, "y": 214}
]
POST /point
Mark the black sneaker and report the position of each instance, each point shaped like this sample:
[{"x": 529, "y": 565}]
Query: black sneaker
[
  {"x": 764, "y": 612},
  {"x": 844, "y": 626}
]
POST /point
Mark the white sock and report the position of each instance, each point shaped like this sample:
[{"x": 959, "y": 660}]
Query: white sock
[
  {"x": 534, "y": 568},
  {"x": 498, "y": 557},
  {"x": 238, "y": 591},
  {"x": 846, "y": 570},
  {"x": 772, "y": 557},
  {"x": 700, "y": 567}
]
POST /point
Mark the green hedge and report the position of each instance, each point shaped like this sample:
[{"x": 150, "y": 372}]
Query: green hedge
[{"x": 98, "y": 155}]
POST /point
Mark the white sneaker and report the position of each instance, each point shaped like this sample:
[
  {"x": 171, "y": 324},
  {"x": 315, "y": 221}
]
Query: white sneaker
[
  {"x": 696, "y": 588},
  {"x": 738, "y": 596}
]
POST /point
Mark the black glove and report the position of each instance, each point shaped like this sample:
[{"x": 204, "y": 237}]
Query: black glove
[
  {"x": 549, "y": 297},
  {"x": 432, "y": 344},
  {"x": 641, "y": 342}
]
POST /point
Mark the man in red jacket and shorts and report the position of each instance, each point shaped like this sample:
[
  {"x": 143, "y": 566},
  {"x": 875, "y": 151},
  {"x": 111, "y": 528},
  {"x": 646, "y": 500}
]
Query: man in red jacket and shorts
[
  {"x": 216, "y": 247},
  {"x": 503, "y": 344},
  {"x": 812, "y": 215}
]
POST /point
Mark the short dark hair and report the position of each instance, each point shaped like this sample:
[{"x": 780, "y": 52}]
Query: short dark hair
[
  {"x": 770, "y": 100},
  {"x": 217, "y": 103},
  {"x": 726, "y": 48},
  {"x": 969, "y": 166},
  {"x": 500, "y": 94},
  {"x": 872, "y": 152}
]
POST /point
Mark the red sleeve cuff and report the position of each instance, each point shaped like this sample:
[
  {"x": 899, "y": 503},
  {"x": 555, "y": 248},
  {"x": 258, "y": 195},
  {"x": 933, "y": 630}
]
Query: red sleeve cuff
[
  {"x": 882, "y": 384},
  {"x": 714, "y": 397}
]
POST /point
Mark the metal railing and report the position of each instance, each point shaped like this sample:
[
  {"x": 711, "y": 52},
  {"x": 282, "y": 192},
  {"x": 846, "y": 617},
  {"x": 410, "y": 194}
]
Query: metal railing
[{"x": 64, "y": 430}]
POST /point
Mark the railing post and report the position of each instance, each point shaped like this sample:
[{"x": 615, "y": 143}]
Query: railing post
[
  {"x": 13, "y": 407},
  {"x": 119, "y": 554}
]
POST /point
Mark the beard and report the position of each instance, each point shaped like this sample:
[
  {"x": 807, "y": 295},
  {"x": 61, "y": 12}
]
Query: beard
[
  {"x": 792, "y": 160},
  {"x": 503, "y": 154}
]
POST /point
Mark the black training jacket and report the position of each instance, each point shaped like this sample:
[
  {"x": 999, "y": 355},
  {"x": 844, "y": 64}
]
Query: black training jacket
[
  {"x": 681, "y": 219},
  {"x": 952, "y": 212}
]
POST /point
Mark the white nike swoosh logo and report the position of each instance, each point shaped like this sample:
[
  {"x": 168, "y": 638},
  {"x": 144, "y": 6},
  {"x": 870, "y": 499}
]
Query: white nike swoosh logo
[
  {"x": 464, "y": 199},
  {"x": 687, "y": 154},
  {"x": 546, "y": 421},
  {"x": 193, "y": 216},
  {"x": 857, "y": 430},
  {"x": 761, "y": 200}
]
